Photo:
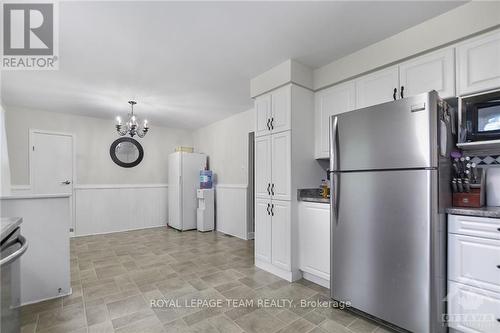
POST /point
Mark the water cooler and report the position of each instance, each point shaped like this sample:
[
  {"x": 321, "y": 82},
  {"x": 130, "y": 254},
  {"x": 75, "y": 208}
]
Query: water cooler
[{"x": 205, "y": 209}]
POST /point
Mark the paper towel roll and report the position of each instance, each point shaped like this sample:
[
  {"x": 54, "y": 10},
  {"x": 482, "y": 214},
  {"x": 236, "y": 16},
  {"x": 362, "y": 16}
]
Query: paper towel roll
[{"x": 493, "y": 186}]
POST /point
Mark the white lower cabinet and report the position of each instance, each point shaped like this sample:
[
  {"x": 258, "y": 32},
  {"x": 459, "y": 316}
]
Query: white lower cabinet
[
  {"x": 473, "y": 274},
  {"x": 280, "y": 234},
  {"x": 472, "y": 310},
  {"x": 314, "y": 242},
  {"x": 262, "y": 230},
  {"x": 273, "y": 236}
]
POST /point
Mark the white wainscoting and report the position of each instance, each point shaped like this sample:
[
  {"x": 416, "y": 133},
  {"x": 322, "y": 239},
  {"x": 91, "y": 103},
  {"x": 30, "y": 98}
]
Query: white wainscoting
[
  {"x": 231, "y": 209},
  {"x": 111, "y": 208}
]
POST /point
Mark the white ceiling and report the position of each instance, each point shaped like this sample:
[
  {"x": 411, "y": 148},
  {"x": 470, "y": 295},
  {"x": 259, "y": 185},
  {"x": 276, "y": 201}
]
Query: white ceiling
[{"x": 189, "y": 63}]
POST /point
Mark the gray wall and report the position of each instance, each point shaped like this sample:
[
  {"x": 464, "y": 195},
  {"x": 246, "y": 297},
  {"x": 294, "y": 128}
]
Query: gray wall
[
  {"x": 226, "y": 144},
  {"x": 93, "y": 138}
]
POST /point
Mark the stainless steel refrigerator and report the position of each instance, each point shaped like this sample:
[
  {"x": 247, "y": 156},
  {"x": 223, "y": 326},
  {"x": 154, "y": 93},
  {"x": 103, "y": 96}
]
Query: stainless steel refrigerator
[{"x": 390, "y": 172}]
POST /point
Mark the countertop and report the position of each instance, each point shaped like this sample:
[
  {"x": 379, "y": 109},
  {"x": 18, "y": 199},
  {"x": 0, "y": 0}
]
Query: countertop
[
  {"x": 8, "y": 224},
  {"x": 493, "y": 212},
  {"x": 311, "y": 195}
]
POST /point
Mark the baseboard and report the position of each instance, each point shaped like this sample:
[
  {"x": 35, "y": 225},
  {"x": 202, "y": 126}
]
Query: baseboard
[
  {"x": 49, "y": 298},
  {"x": 316, "y": 279},
  {"x": 289, "y": 276},
  {"x": 124, "y": 230},
  {"x": 250, "y": 235}
]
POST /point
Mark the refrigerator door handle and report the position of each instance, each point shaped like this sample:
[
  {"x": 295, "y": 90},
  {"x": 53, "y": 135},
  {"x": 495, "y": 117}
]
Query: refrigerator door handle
[
  {"x": 334, "y": 198},
  {"x": 333, "y": 143}
]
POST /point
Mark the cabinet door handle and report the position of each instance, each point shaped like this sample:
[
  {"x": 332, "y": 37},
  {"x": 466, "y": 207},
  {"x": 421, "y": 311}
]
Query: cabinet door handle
[
  {"x": 272, "y": 209},
  {"x": 498, "y": 229},
  {"x": 394, "y": 93},
  {"x": 268, "y": 188},
  {"x": 272, "y": 189},
  {"x": 498, "y": 266},
  {"x": 402, "y": 92},
  {"x": 268, "y": 213},
  {"x": 272, "y": 123},
  {"x": 268, "y": 124}
]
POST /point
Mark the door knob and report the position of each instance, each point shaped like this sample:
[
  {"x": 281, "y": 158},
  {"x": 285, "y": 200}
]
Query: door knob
[{"x": 66, "y": 182}]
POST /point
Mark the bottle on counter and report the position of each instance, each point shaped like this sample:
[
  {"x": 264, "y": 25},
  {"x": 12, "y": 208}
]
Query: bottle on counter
[{"x": 325, "y": 189}]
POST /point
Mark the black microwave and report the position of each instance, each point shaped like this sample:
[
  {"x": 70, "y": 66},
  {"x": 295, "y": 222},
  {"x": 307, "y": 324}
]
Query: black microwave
[{"x": 480, "y": 117}]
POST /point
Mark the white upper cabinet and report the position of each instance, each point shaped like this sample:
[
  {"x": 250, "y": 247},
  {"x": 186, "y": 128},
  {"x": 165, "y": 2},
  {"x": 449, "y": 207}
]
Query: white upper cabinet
[
  {"x": 281, "y": 174},
  {"x": 328, "y": 102},
  {"x": 281, "y": 109},
  {"x": 434, "y": 71},
  {"x": 273, "y": 111},
  {"x": 263, "y": 167},
  {"x": 478, "y": 64},
  {"x": 377, "y": 87},
  {"x": 262, "y": 115}
]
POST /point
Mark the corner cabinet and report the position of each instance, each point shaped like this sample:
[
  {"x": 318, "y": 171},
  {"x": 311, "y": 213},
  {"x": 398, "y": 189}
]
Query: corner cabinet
[
  {"x": 478, "y": 64},
  {"x": 282, "y": 148},
  {"x": 329, "y": 102}
]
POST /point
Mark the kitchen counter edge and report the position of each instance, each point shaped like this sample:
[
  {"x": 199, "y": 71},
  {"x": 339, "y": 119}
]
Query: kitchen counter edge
[{"x": 492, "y": 212}]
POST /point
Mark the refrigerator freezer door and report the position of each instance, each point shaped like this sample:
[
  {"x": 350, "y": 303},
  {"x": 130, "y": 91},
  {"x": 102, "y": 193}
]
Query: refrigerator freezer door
[
  {"x": 192, "y": 164},
  {"x": 381, "y": 245},
  {"x": 395, "y": 135},
  {"x": 174, "y": 191}
]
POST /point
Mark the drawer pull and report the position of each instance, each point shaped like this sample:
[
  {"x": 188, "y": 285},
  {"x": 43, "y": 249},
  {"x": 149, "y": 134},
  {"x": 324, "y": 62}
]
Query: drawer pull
[{"x": 498, "y": 266}]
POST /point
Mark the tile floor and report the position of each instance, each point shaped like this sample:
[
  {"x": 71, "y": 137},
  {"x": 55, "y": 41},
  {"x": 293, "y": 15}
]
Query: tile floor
[{"x": 115, "y": 277}]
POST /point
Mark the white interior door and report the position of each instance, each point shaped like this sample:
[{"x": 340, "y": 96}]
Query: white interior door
[
  {"x": 281, "y": 234},
  {"x": 281, "y": 166},
  {"x": 262, "y": 230},
  {"x": 51, "y": 163}
]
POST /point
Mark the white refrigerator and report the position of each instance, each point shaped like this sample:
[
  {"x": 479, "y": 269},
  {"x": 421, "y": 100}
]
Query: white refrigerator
[{"x": 183, "y": 181}]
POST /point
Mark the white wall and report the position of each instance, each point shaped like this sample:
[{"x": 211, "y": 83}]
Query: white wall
[
  {"x": 93, "y": 139},
  {"x": 459, "y": 23},
  {"x": 226, "y": 144},
  {"x": 104, "y": 193},
  {"x": 4, "y": 156}
]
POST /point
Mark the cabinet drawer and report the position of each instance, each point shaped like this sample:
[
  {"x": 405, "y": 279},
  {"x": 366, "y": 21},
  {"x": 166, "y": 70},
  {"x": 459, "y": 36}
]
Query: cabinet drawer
[
  {"x": 474, "y": 226},
  {"x": 472, "y": 310},
  {"x": 474, "y": 261}
]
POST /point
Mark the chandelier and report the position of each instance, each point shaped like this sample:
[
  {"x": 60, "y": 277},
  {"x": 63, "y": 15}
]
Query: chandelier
[{"x": 131, "y": 127}]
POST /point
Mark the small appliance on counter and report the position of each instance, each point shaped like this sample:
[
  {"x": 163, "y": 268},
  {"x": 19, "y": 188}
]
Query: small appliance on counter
[{"x": 468, "y": 183}]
